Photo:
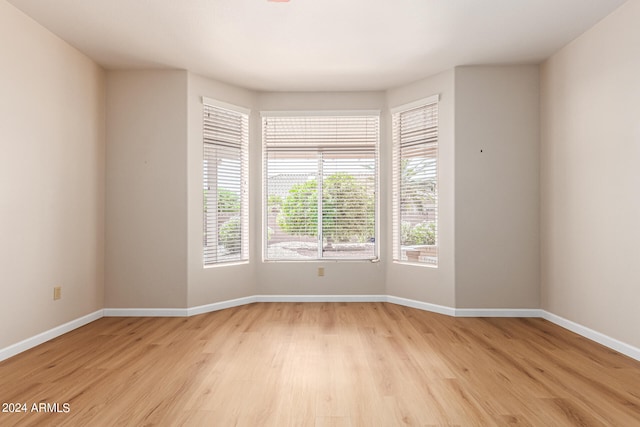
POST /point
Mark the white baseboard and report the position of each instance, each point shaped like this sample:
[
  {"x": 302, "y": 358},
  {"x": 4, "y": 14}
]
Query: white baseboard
[
  {"x": 321, "y": 298},
  {"x": 36, "y": 340},
  {"x": 207, "y": 308},
  {"x": 146, "y": 312},
  {"x": 466, "y": 312},
  {"x": 596, "y": 336},
  {"x": 201, "y": 309},
  {"x": 435, "y": 308},
  {"x": 498, "y": 312}
]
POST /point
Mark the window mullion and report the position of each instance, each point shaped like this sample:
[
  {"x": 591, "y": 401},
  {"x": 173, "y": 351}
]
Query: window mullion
[
  {"x": 320, "y": 182},
  {"x": 214, "y": 230}
]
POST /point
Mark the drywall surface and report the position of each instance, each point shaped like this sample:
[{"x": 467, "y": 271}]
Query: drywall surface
[
  {"x": 496, "y": 187},
  {"x": 590, "y": 178},
  {"x": 51, "y": 179},
  {"x": 424, "y": 283},
  {"x": 223, "y": 282},
  {"x": 146, "y": 215}
]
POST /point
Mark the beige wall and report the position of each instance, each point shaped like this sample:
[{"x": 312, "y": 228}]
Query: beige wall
[
  {"x": 590, "y": 170},
  {"x": 146, "y": 202},
  {"x": 585, "y": 181},
  {"x": 218, "y": 283},
  {"x": 496, "y": 189},
  {"x": 300, "y": 278},
  {"x": 51, "y": 179},
  {"x": 423, "y": 283}
]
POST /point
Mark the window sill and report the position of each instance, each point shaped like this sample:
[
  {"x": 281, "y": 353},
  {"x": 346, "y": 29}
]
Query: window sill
[
  {"x": 317, "y": 261},
  {"x": 416, "y": 263},
  {"x": 226, "y": 264}
]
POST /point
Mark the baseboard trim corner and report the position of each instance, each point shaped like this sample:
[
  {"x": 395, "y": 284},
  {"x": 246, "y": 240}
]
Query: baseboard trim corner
[
  {"x": 426, "y": 306},
  {"x": 45, "y": 336},
  {"x": 596, "y": 336},
  {"x": 208, "y": 308}
]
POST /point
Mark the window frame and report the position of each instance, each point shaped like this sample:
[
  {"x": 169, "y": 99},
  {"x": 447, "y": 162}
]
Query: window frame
[
  {"x": 396, "y": 206},
  {"x": 244, "y": 177},
  {"x": 265, "y": 115}
]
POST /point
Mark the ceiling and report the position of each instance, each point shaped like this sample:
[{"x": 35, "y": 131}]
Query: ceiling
[{"x": 316, "y": 45}]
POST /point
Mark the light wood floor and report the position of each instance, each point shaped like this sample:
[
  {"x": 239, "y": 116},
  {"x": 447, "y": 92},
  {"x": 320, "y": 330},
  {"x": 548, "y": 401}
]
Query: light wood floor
[{"x": 323, "y": 364}]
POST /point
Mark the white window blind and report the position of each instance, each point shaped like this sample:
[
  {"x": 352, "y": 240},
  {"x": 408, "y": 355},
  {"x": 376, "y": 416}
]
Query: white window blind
[
  {"x": 225, "y": 179},
  {"x": 415, "y": 183},
  {"x": 321, "y": 186}
]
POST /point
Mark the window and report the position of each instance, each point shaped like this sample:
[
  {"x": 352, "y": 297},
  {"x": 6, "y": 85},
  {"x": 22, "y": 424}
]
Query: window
[
  {"x": 320, "y": 179},
  {"x": 415, "y": 182},
  {"x": 225, "y": 183}
]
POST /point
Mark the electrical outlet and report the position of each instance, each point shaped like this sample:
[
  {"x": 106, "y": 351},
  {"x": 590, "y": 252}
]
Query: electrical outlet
[
  {"x": 320, "y": 271},
  {"x": 57, "y": 292}
]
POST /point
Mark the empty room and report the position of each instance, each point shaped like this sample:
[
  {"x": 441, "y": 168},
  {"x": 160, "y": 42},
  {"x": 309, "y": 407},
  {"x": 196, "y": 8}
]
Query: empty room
[{"x": 320, "y": 213}]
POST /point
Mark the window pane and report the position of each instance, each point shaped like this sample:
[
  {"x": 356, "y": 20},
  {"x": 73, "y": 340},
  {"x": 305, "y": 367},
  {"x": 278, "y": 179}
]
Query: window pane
[
  {"x": 225, "y": 185},
  {"x": 320, "y": 183},
  {"x": 348, "y": 206},
  {"x": 292, "y": 206},
  {"x": 415, "y": 185}
]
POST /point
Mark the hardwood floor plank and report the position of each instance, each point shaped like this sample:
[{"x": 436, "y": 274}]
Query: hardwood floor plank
[{"x": 322, "y": 364}]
